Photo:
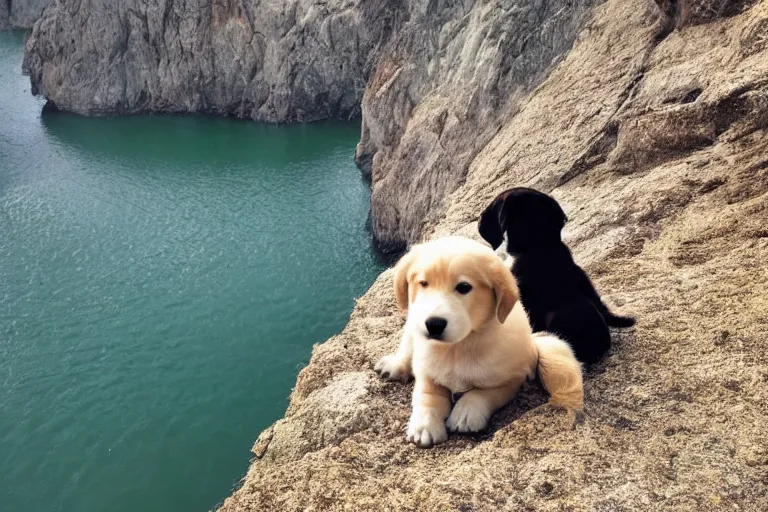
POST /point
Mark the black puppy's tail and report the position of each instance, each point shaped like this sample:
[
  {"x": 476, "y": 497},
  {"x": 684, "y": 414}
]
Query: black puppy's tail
[{"x": 618, "y": 320}]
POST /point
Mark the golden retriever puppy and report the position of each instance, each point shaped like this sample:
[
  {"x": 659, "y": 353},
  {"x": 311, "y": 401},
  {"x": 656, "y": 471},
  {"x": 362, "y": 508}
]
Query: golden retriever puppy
[{"x": 466, "y": 332}]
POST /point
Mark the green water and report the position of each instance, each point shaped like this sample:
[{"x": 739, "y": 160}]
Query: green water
[{"x": 162, "y": 280}]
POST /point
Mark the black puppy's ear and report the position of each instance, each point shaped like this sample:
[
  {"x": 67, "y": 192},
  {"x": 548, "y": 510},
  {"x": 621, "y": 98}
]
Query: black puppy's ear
[
  {"x": 561, "y": 217},
  {"x": 493, "y": 222},
  {"x": 550, "y": 218}
]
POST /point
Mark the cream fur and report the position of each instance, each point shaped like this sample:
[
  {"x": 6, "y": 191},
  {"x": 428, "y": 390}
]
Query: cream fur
[{"x": 488, "y": 350}]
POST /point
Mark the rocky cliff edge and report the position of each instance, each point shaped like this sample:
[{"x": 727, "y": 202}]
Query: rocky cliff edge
[{"x": 652, "y": 134}]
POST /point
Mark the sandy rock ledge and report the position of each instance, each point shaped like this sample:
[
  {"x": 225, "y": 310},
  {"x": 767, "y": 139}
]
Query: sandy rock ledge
[{"x": 653, "y": 135}]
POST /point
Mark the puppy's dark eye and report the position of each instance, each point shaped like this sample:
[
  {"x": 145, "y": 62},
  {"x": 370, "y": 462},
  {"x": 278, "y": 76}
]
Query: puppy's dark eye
[
  {"x": 423, "y": 284},
  {"x": 463, "y": 288}
]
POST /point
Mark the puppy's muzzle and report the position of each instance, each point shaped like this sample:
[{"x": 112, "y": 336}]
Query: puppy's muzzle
[{"x": 436, "y": 326}]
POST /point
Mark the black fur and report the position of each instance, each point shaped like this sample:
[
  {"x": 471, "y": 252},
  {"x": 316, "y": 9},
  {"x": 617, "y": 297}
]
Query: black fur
[{"x": 555, "y": 291}]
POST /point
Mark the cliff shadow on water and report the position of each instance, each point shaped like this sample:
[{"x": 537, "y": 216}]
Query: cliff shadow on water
[{"x": 198, "y": 138}]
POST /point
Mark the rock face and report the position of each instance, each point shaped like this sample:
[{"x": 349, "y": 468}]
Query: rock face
[
  {"x": 20, "y": 13},
  {"x": 440, "y": 91},
  {"x": 653, "y": 135},
  {"x": 434, "y": 79},
  {"x": 271, "y": 60},
  {"x": 5, "y": 15}
]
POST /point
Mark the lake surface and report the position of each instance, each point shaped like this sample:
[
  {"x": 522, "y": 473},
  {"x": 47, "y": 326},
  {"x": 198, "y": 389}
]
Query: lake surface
[{"x": 162, "y": 281}]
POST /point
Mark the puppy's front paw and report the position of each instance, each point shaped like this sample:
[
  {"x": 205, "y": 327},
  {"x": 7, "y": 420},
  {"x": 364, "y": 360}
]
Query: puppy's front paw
[
  {"x": 426, "y": 429},
  {"x": 470, "y": 414},
  {"x": 393, "y": 367}
]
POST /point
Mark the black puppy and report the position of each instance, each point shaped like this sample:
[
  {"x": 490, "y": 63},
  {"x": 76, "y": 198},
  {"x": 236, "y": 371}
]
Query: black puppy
[{"x": 556, "y": 293}]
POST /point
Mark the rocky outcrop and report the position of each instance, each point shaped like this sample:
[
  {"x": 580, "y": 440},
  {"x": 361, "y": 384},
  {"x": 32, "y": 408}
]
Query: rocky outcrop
[
  {"x": 441, "y": 90},
  {"x": 271, "y": 60},
  {"x": 20, "y": 13},
  {"x": 5, "y": 15},
  {"x": 653, "y": 135},
  {"x": 301, "y": 60}
]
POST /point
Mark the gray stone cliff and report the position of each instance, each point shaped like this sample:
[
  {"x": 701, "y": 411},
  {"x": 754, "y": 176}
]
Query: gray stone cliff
[
  {"x": 272, "y": 61},
  {"x": 20, "y": 13},
  {"x": 5, "y": 14},
  {"x": 441, "y": 90}
]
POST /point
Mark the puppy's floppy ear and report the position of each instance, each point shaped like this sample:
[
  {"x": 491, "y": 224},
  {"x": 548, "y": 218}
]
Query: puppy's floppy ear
[
  {"x": 505, "y": 288},
  {"x": 493, "y": 222},
  {"x": 401, "y": 278},
  {"x": 555, "y": 214}
]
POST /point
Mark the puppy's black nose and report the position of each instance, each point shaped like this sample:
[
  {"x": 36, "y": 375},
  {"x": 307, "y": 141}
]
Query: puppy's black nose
[{"x": 436, "y": 325}]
